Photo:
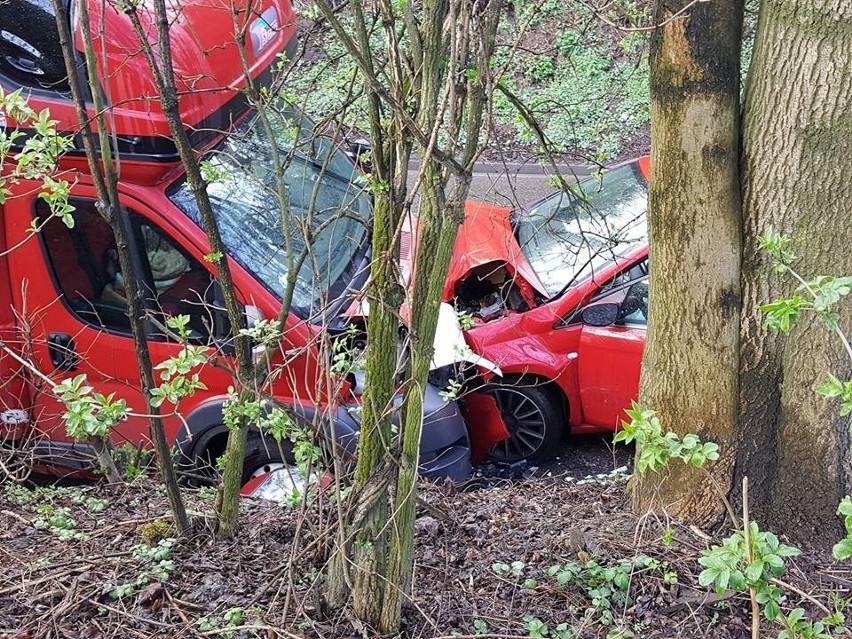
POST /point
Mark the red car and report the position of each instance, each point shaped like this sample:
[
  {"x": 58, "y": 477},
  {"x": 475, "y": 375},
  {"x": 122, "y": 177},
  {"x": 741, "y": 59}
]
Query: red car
[{"x": 557, "y": 297}]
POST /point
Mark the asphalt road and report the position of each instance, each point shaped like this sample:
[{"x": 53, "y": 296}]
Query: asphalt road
[{"x": 512, "y": 185}]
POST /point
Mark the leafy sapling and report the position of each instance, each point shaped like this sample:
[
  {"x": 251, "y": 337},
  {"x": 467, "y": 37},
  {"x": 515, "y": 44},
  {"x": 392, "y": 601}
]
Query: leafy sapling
[
  {"x": 89, "y": 414},
  {"x": 819, "y": 296},
  {"x": 33, "y": 155},
  {"x": 657, "y": 448},
  {"x": 727, "y": 566},
  {"x": 175, "y": 371},
  {"x": 843, "y": 549}
]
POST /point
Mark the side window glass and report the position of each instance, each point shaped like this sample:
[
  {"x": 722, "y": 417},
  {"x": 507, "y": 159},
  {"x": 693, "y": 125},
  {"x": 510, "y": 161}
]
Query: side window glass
[
  {"x": 615, "y": 287},
  {"x": 86, "y": 269},
  {"x": 183, "y": 285},
  {"x": 80, "y": 259},
  {"x": 635, "y": 272},
  {"x": 634, "y": 307}
]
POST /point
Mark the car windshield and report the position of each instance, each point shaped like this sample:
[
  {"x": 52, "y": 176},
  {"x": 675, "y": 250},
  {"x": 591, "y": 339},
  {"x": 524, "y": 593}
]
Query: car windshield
[
  {"x": 329, "y": 210},
  {"x": 567, "y": 236}
]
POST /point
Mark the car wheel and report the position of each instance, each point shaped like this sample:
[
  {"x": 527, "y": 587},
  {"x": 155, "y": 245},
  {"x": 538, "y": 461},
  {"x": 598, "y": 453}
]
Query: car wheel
[
  {"x": 534, "y": 421},
  {"x": 264, "y": 455}
]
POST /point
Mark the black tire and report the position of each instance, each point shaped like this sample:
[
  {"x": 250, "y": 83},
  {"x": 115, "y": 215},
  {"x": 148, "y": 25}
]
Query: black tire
[
  {"x": 534, "y": 419},
  {"x": 264, "y": 454}
]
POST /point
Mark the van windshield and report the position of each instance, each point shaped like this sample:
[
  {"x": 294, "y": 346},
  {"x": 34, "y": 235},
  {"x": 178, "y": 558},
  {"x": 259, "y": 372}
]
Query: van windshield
[{"x": 329, "y": 210}]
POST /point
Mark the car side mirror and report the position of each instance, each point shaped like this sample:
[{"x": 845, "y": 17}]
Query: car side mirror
[{"x": 603, "y": 314}]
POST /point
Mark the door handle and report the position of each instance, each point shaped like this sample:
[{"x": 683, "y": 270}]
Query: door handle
[{"x": 63, "y": 355}]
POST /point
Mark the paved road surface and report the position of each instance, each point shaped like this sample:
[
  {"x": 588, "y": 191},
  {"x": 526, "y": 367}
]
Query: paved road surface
[{"x": 512, "y": 184}]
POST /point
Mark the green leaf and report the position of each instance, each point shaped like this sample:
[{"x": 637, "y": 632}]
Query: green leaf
[
  {"x": 795, "y": 616},
  {"x": 754, "y": 572},
  {"x": 843, "y": 549},
  {"x": 782, "y": 314}
]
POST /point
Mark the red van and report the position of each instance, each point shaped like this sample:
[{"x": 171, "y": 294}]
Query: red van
[{"x": 61, "y": 294}]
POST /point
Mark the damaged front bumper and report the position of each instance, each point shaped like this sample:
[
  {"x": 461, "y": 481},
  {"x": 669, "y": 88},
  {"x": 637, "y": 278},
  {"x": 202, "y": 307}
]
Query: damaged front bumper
[{"x": 444, "y": 441}]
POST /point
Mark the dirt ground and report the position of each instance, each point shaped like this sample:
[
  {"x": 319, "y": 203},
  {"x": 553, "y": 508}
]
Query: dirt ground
[{"x": 483, "y": 566}]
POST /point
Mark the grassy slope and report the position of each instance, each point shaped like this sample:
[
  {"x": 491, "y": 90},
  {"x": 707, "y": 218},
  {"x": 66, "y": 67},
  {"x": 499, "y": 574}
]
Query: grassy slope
[{"x": 585, "y": 80}]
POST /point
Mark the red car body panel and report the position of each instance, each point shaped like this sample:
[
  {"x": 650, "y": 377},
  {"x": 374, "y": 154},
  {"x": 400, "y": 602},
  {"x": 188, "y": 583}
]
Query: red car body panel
[
  {"x": 596, "y": 369},
  {"x": 207, "y": 66},
  {"x": 482, "y": 410},
  {"x": 485, "y": 238}
]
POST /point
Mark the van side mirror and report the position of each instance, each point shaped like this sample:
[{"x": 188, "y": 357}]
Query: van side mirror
[
  {"x": 361, "y": 153},
  {"x": 253, "y": 316},
  {"x": 603, "y": 314}
]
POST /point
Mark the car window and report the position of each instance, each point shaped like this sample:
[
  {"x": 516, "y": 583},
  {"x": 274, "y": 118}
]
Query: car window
[
  {"x": 86, "y": 270},
  {"x": 634, "y": 272},
  {"x": 634, "y": 306},
  {"x": 615, "y": 287}
]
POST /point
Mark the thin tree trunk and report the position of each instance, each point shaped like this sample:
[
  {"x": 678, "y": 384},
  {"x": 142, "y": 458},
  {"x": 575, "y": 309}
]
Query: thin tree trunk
[
  {"x": 689, "y": 374},
  {"x": 363, "y": 544},
  {"x": 796, "y": 146},
  {"x": 106, "y": 184},
  {"x": 424, "y": 92},
  {"x": 163, "y": 73}
]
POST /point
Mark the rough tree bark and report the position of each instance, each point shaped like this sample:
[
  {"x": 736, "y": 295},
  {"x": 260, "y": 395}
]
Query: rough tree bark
[
  {"x": 797, "y": 141},
  {"x": 364, "y": 541},
  {"x": 441, "y": 214},
  {"x": 434, "y": 81},
  {"x": 689, "y": 370}
]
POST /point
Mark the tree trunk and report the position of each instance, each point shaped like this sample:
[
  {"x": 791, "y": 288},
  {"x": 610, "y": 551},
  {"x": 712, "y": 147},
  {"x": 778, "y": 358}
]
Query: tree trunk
[
  {"x": 366, "y": 537},
  {"x": 164, "y": 78},
  {"x": 689, "y": 374},
  {"x": 797, "y": 142},
  {"x": 105, "y": 178}
]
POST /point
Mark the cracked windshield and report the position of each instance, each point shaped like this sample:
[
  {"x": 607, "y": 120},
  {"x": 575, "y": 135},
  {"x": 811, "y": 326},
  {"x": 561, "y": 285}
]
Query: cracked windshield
[
  {"x": 328, "y": 209},
  {"x": 568, "y": 236}
]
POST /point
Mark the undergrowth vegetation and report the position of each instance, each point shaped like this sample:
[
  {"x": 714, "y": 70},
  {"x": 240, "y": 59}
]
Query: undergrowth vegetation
[
  {"x": 584, "y": 80},
  {"x": 579, "y": 69}
]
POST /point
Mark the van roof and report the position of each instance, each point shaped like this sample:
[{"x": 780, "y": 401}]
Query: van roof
[{"x": 207, "y": 64}]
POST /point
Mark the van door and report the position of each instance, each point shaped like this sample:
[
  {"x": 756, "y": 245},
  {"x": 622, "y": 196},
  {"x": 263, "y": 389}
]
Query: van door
[
  {"x": 72, "y": 294},
  {"x": 15, "y": 399}
]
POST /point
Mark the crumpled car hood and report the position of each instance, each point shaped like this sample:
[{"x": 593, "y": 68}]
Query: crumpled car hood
[{"x": 486, "y": 237}]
